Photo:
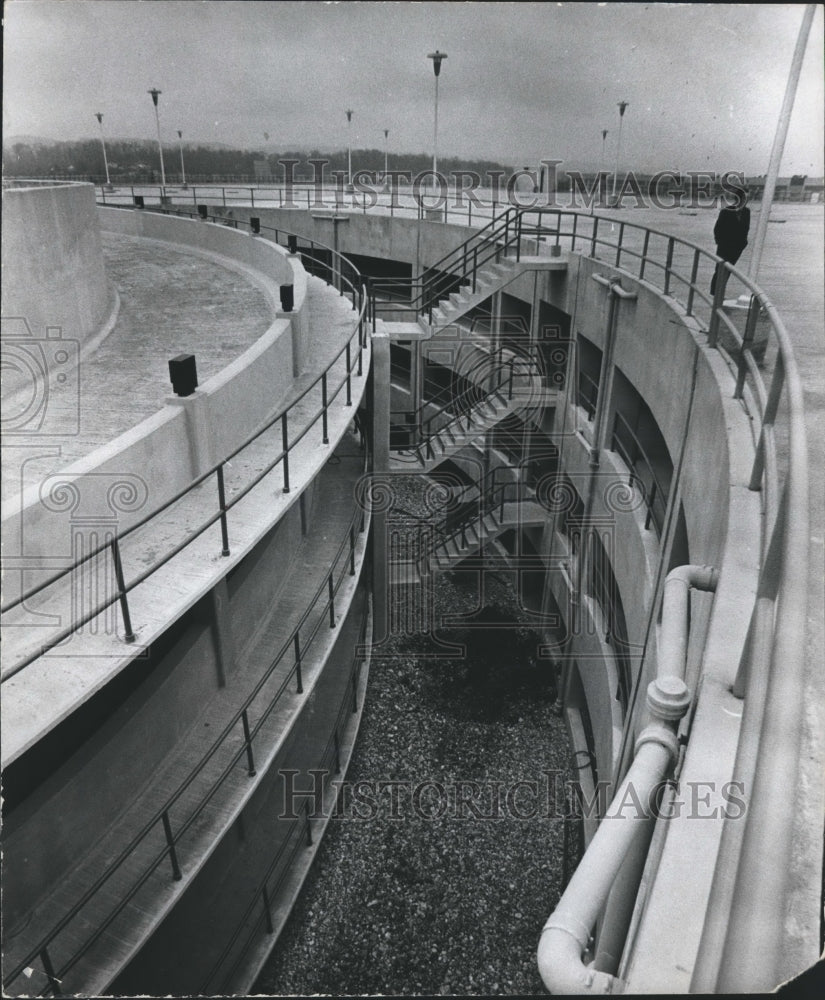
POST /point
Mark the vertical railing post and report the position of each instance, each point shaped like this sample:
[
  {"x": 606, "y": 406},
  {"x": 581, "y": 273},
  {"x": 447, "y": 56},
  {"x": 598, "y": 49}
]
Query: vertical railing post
[
  {"x": 222, "y": 503},
  {"x": 267, "y": 910},
  {"x": 643, "y": 262},
  {"x": 325, "y": 439},
  {"x": 768, "y": 417},
  {"x": 170, "y": 842},
  {"x": 619, "y": 244},
  {"x": 250, "y": 760},
  {"x": 747, "y": 343},
  {"x": 285, "y": 448},
  {"x": 575, "y": 229},
  {"x": 594, "y": 236},
  {"x": 650, "y": 503},
  {"x": 298, "y": 673},
  {"x": 48, "y": 968},
  {"x": 349, "y": 375},
  {"x": 308, "y": 828},
  {"x": 337, "y": 745},
  {"x": 722, "y": 274},
  {"x": 668, "y": 264},
  {"x": 128, "y": 634},
  {"x": 694, "y": 271},
  {"x": 331, "y": 591}
]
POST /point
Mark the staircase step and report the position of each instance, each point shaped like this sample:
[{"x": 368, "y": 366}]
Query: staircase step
[{"x": 451, "y": 547}]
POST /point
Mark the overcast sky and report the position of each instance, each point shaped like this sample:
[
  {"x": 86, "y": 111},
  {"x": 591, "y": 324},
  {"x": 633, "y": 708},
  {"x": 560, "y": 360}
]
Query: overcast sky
[{"x": 522, "y": 81}]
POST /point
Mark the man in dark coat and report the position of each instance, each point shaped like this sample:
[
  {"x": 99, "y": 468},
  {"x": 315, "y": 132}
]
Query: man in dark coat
[{"x": 731, "y": 231}]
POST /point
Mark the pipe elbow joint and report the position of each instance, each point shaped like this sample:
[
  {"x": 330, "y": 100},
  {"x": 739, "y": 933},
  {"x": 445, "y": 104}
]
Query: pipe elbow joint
[
  {"x": 698, "y": 577},
  {"x": 561, "y": 967}
]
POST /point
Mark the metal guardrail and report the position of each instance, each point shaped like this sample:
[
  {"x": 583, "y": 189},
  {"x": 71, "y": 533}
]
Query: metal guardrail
[
  {"x": 312, "y": 197},
  {"x": 626, "y": 444},
  {"x": 352, "y": 351},
  {"x": 298, "y": 643},
  {"x": 238, "y": 731},
  {"x": 299, "y": 836},
  {"x": 766, "y": 381},
  {"x": 587, "y": 394}
]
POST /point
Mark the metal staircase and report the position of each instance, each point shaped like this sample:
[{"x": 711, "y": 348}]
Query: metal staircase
[
  {"x": 516, "y": 385},
  {"x": 485, "y": 283},
  {"x": 483, "y": 263},
  {"x": 495, "y": 505}
]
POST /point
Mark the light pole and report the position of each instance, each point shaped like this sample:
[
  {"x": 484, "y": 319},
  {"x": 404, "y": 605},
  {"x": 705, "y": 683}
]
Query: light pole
[
  {"x": 155, "y": 95},
  {"x": 99, "y": 117},
  {"x": 182, "y": 171},
  {"x": 622, "y": 105},
  {"x": 349, "y": 150},
  {"x": 599, "y": 172},
  {"x": 437, "y": 58},
  {"x": 386, "y": 155}
]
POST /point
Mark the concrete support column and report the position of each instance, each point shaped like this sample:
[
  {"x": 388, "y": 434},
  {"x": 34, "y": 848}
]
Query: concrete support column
[
  {"x": 535, "y": 310},
  {"x": 222, "y": 637},
  {"x": 198, "y": 431},
  {"x": 495, "y": 333},
  {"x": 380, "y": 375},
  {"x": 416, "y": 377}
]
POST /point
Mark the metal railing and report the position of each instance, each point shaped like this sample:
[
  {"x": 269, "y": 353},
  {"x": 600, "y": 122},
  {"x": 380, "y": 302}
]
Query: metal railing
[
  {"x": 459, "y": 268},
  {"x": 466, "y": 514},
  {"x": 459, "y": 419},
  {"x": 231, "y": 752},
  {"x": 326, "y": 387},
  {"x": 588, "y": 393},
  {"x": 401, "y": 203},
  {"x": 763, "y": 377},
  {"x": 643, "y": 473},
  {"x": 257, "y": 918}
]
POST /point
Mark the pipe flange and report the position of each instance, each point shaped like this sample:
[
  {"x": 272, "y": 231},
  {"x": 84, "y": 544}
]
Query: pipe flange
[
  {"x": 668, "y": 698},
  {"x": 661, "y": 735}
]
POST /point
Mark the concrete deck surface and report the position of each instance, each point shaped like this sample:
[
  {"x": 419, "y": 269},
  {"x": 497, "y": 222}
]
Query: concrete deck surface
[{"x": 171, "y": 302}]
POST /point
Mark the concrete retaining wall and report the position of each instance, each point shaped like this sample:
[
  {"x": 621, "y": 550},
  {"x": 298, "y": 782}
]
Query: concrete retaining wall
[
  {"x": 53, "y": 273},
  {"x": 190, "y": 434}
]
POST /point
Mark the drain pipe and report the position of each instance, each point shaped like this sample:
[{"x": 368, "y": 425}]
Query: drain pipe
[{"x": 567, "y": 932}]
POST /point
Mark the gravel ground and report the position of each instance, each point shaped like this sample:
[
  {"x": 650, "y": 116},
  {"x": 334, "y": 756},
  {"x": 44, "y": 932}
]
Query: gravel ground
[{"x": 412, "y": 893}]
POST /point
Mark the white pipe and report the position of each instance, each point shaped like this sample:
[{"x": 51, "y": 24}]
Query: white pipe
[
  {"x": 674, "y": 633},
  {"x": 567, "y": 932}
]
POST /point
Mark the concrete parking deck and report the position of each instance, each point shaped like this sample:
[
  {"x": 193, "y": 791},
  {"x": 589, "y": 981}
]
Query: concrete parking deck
[
  {"x": 171, "y": 302},
  {"x": 52, "y": 686}
]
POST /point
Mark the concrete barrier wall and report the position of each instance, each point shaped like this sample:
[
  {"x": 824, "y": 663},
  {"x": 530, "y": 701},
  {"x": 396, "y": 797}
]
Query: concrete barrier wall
[
  {"x": 53, "y": 273},
  {"x": 190, "y": 434},
  {"x": 194, "y": 234},
  {"x": 419, "y": 244}
]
